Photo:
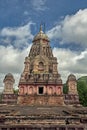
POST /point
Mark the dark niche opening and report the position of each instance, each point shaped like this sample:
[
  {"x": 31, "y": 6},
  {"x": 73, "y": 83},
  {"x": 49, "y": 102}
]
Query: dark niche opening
[
  {"x": 62, "y": 128},
  {"x": 40, "y": 91}
]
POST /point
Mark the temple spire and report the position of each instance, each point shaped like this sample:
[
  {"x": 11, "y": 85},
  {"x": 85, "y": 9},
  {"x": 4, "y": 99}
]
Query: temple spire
[{"x": 41, "y": 29}]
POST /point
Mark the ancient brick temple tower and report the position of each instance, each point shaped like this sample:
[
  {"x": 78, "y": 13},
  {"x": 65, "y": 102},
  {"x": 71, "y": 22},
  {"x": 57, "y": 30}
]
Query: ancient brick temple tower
[
  {"x": 8, "y": 95},
  {"x": 40, "y": 82}
]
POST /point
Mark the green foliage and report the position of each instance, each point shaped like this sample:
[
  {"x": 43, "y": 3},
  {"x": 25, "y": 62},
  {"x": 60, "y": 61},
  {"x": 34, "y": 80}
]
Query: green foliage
[
  {"x": 84, "y": 79},
  {"x": 65, "y": 89},
  {"x": 82, "y": 91},
  {"x": 0, "y": 97},
  {"x": 16, "y": 91}
]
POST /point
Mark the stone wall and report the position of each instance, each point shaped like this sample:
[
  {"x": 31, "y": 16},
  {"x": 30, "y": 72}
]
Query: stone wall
[
  {"x": 9, "y": 98},
  {"x": 71, "y": 99},
  {"x": 52, "y": 100}
]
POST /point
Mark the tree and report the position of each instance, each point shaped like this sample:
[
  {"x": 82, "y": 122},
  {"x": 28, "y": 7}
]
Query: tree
[
  {"x": 16, "y": 91},
  {"x": 82, "y": 91},
  {"x": 65, "y": 89}
]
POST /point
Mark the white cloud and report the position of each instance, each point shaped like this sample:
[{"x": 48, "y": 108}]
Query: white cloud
[
  {"x": 12, "y": 60},
  {"x": 26, "y": 13},
  {"x": 39, "y": 5},
  {"x": 12, "y": 57},
  {"x": 72, "y": 29},
  {"x": 71, "y": 62},
  {"x": 18, "y": 32},
  {"x": 16, "y": 36}
]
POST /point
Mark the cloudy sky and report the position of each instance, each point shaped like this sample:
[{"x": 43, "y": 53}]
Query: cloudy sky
[{"x": 64, "y": 21}]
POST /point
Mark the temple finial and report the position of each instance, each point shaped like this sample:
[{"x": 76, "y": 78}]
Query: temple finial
[{"x": 41, "y": 28}]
